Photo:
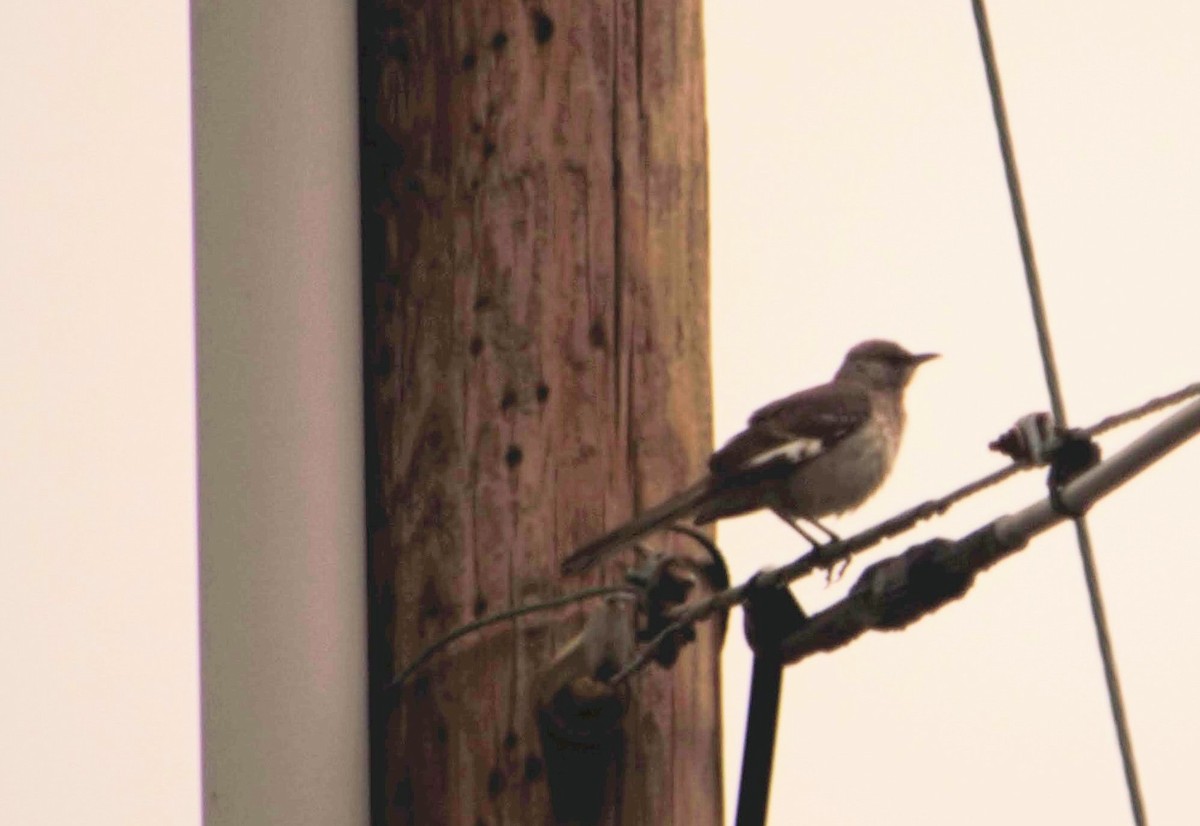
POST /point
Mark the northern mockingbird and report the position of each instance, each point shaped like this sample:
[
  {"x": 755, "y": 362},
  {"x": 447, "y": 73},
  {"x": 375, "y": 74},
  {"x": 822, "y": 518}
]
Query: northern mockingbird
[{"x": 818, "y": 452}]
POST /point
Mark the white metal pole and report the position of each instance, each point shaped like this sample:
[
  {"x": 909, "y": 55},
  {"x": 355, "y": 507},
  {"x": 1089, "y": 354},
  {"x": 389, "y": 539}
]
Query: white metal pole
[{"x": 279, "y": 407}]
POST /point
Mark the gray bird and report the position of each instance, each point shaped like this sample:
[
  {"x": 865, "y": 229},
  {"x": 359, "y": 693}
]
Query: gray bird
[{"x": 818, "y": 452}]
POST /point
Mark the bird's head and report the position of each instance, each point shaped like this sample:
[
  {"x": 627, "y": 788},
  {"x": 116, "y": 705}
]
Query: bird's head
[{"x": 882, "y": 365}]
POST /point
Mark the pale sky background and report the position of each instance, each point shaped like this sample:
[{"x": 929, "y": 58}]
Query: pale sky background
[
  {"x": 854, "y": 161},
  {"x": 99, "y": 704},
  {"x": 857, "y": 191}
]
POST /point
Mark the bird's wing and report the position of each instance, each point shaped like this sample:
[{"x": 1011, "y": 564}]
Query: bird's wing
[{"x": 795, "y": 428}]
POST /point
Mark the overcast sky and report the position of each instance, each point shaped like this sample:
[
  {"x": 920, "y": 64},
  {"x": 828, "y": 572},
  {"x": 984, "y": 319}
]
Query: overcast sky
[
  {"x": 99, "y": 702},
  {"x": 857, "y": 192}
]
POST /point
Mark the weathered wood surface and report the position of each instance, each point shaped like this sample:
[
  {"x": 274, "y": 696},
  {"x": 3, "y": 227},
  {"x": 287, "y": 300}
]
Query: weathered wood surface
[{"x": 537, "y": 367}]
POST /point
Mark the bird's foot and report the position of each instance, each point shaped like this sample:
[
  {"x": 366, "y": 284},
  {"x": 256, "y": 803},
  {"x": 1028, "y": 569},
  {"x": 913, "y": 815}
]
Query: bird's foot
[{"x": 834, "y": 571}]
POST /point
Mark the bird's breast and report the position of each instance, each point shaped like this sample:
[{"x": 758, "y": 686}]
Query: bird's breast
[{"x": 845, "y": 475}]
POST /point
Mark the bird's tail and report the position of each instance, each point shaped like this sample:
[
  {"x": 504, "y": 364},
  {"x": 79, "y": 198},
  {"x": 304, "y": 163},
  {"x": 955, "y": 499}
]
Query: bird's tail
[{"x": 669, "y": 511}]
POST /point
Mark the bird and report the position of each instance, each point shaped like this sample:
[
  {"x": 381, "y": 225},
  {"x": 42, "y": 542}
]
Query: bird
[{"x": 818, "y": 452}]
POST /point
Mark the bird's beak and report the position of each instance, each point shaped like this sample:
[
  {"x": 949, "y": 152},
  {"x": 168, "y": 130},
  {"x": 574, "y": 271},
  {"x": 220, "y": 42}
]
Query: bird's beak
[{"x": 921, "y": 358}]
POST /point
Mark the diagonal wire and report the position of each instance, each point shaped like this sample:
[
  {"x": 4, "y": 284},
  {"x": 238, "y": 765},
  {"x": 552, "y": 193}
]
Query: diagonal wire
[
  {"x": 1113, "y": 470},
  {"x": 507, "y": 614},
  {"x": 1056, "y": 401}
]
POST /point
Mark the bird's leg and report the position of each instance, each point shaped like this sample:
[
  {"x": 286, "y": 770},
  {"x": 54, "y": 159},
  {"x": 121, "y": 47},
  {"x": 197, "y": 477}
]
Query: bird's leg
[
  {"x": 836, "y": 570},
  {"x": 795, "y": 525},
  {"x": 833, "y": 537}
]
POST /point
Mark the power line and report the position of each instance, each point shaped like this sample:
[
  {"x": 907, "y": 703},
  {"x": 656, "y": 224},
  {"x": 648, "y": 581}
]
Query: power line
[
  {"x": 1056, "y": 401},
  {"x": 628, "y": 591},
  {"x": 885, "y": 597},
  {"x": 828, "y": 555}
]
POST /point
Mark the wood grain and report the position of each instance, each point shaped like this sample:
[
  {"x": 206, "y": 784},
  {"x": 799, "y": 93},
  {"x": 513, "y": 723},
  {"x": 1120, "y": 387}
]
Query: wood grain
[{"x": 537, "y": 368}]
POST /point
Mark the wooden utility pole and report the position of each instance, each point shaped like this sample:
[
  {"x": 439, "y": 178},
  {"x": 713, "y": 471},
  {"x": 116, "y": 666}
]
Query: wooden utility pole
[{"x": 537, "y": 368}]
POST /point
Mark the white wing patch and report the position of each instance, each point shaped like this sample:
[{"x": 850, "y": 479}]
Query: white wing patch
[{"x": 795, "y": 451}]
